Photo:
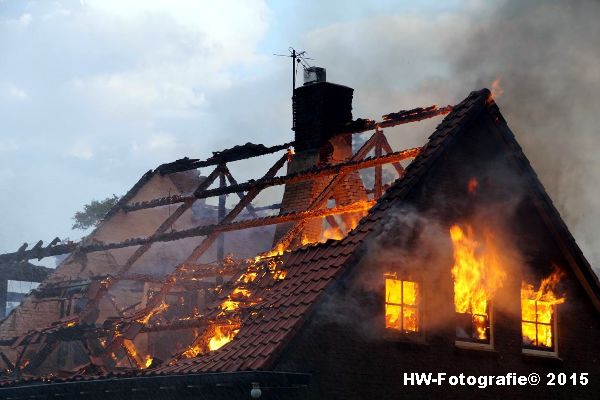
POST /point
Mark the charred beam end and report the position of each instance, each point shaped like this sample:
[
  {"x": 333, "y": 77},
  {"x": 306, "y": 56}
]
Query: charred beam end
[
  {"x": 397, "y": 118},
  {"x": 235, "y": 153}
]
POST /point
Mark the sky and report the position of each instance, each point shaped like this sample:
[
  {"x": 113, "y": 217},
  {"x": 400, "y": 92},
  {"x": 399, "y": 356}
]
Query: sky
[{"x": 94, "y": 93}]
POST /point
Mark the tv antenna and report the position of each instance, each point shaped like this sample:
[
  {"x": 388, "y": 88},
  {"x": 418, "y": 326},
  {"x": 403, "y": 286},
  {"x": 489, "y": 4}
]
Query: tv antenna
[{"x": 298, "y": 57}]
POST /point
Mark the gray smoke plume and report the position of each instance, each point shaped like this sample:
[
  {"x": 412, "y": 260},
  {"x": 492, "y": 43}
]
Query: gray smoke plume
[{"x": 547, "y": 54}]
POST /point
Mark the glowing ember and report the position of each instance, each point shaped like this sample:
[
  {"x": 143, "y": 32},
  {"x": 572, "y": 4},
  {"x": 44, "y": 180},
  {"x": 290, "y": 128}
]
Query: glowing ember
[
  {"x": 247, "y": 277},
  {"x": 537, "y": 308},
  {"x": 472, "y": 185},
  {"x": 279, "y": 274},
  {"x": 477, "y": 276},
  {"x": 160, "y": 308}
]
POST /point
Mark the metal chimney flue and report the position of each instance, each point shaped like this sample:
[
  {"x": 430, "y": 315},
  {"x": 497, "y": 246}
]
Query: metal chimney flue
[{"x": 314, "y": 75}]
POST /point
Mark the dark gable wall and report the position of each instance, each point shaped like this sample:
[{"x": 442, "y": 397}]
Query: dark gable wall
[{"x": 344, "y": 345}]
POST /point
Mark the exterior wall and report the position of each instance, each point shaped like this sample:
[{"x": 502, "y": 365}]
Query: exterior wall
[{"x": 349, "y": 353}]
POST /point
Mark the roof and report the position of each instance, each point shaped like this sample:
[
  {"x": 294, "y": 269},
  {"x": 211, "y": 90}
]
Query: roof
[{"x": 312, "y": 270}]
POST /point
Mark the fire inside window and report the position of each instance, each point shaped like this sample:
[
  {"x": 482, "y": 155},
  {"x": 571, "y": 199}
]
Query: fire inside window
[
  {"x": 477, "y": 274},
  {"x": 401, "y": 305},
  {"x": 473, "y": 326},
  {"x": 538, "y": 324},
  {"x": 538, "y": 313}
]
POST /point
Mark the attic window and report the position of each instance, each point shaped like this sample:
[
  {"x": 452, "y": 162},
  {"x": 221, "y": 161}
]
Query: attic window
[
  {"x": 538, "y": 325},
  {"x": 538, "y": 315},
  {"x": 401, "y": 304}
]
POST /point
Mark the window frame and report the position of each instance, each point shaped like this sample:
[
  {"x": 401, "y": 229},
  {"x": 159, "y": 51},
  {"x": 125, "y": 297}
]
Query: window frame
[
  {"x": 394, "y": 332},
  {"x": 541, "y": 350},
  {"x": 465, "y": 343}
]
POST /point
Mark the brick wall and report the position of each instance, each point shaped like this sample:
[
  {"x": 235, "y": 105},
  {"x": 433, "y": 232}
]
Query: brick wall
[{"x": 319, "y": 112}]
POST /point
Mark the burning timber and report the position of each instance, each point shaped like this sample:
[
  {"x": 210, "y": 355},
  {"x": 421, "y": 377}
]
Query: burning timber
[{"x": 414, "y": 265}]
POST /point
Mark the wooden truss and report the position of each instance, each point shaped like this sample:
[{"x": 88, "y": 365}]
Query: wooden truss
[{"x": 116, "y": 336}]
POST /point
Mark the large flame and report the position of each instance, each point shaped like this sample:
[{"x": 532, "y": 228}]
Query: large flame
[
  {"x": 477, "y": 274},
  {"x": 537, "y": 308}
]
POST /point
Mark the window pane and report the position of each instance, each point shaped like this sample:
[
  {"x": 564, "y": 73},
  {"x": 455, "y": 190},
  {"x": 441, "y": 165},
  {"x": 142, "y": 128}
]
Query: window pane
[
  {"x": 392, "y": 316},
  {"x": 544, "y": 312},
  {"x": 410, "y": 319},
  {"x": 393, "y": 291},
  {"x": 409, "y": 293},
  {"x": 544, "y": 335},
  {"x": 528, "y": 310},
  {"x": 529, "y": 333}
]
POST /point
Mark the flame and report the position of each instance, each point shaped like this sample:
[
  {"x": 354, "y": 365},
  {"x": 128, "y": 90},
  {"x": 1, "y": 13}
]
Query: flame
[
  {"x": 350, "y": 221},
  {"x": 537, "y": 308},
  {"x": 304, "y": 241},
  {"x": 71, "y": 324},
  {"x": 232, "y": 302},
  {"x": 400, "y": 304},
  {"x": 247, "y": 277},
  {"x": 332, "y": 233},
  {"x": 161, "y": 307},
  {"x": 496, "y": 90},
  {"x": 277, "y": 251},
  {"x": 472, "y": 185},
  {"x": 222, "y": 336},
  {"x": 477, "y": 276},
  {"x": 192, "y": 352},
  {"x": 148, "y": 361},
  {"x": 279, "y": 274}
]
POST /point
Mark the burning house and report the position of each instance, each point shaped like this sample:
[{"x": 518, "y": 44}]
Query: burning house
[{"x": 459, "y": 264}]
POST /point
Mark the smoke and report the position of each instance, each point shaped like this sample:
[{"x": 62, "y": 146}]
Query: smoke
[
  {"x": 546, "y": 55},
  {"x": 548, "y": 58}
]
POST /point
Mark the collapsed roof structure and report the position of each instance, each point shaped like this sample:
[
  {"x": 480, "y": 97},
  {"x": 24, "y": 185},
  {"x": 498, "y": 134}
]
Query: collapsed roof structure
[{"x": 172, "y": 293}]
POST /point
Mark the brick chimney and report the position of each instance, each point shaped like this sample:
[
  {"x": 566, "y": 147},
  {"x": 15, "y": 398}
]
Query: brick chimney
[{"x": 321, "y": 109}]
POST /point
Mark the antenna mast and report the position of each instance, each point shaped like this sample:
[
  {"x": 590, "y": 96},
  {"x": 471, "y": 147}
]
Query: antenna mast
[{"x": 298, "y": 57}]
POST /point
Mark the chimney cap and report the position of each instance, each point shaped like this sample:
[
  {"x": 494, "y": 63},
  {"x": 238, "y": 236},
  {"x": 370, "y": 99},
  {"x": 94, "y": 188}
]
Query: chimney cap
[{"x": 314, "y": 75}]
